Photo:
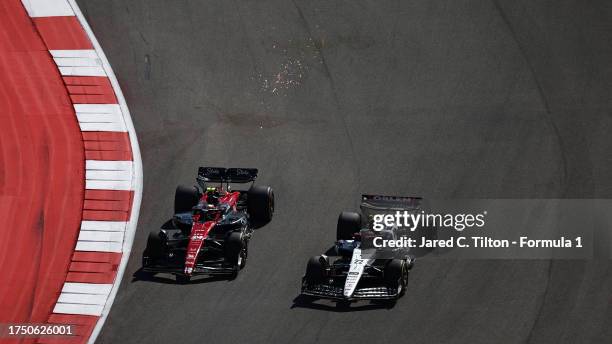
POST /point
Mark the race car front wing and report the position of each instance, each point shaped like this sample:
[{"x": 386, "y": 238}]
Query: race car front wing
[
  {"x": 218, "y": 267},
  {"x": 326, "y": 291}
]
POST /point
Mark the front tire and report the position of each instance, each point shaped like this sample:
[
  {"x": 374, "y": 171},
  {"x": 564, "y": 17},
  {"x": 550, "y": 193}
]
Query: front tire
[
  {"x": 315, "y": 270},
  {"x": 154, "y": 249},
  {"x": 396, "y": 275},
  {"x": 236, "y": 250}
]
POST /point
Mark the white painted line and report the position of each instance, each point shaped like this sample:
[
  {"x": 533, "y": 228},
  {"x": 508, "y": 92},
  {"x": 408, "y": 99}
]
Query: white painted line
[
  {"x": 101, "y": 236},
  {"x": 100, "y": 117},
  {"x": 95, "y": 63},
  {"x": 87, "y": 288},
  {"x": 101, "y": 127},
  {"x": 100, "y": 122},
  {"x": 85, "y": 299},
  {"x": 98, "y": 246},
  {"x": 77, "y": 62},
  {"x": 98, "y": 108},
  {"x": 137, "y": 172},
  {"x": 108, "y": 184},
  {"x": 82, "y": 71},
  {"x": 107, "y": 226},
  {"x": 87, "y": 53},
  {"x": 47, "y": 8},
  {"x": 108, "y": 175},
  {"x": 108, "y": 165},
  {"x": 71, "y": 308}
]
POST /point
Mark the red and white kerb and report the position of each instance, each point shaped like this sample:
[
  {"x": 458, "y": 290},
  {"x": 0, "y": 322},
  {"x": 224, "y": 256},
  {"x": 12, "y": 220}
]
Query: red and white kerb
[{"x": 109, "y": 166}]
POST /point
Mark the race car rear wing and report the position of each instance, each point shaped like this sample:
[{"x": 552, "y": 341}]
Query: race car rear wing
[
  {"x": 391, "y": 202},
  {"x": 226, "y": 175}
]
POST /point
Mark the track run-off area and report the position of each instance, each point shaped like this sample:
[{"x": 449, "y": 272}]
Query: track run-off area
[
  {"x": 70, "y": 180},
  {"x": 332, "y": 99},
  {"x": 40, "y": 141}
]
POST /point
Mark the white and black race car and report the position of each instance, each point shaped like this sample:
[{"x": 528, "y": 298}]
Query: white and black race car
[{"x": 357, "y": 270}]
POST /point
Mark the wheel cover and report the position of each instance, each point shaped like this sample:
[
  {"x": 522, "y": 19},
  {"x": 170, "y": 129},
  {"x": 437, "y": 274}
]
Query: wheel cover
[
  {"x": 271, "y": 205},
  {"x": 242, "y": 256}
]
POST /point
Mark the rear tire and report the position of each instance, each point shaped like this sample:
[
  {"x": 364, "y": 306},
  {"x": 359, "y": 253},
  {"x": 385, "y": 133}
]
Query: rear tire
[
  {"x": 349, "y": 223},
  {"x": 315, "y": 270},
  {"x": 185, "y": 198},
  {"x": 260, "y": 203}
]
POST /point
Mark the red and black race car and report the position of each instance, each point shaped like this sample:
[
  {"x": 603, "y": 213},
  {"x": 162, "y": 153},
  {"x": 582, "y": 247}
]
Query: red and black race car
[{"x": 210, "y": 231}]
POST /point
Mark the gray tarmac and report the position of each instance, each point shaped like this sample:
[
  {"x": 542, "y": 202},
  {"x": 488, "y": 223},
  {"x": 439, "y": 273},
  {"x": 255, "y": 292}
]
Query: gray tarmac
[{"x": 331, "y": 99}]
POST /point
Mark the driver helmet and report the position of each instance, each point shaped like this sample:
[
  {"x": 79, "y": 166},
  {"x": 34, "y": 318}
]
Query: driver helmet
[{"x": 212, "y": 195}]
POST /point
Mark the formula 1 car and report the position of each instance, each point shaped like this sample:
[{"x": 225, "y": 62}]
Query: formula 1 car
[
  {"x": 210, "y": 231},
  {"x": 357, "y": 270}
]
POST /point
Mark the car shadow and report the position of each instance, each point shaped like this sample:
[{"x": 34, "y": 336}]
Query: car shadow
[
  {"x": 142, "y": 276},
  {"x": 303, "y": 301},
  {"x": 259, "y": 224}
]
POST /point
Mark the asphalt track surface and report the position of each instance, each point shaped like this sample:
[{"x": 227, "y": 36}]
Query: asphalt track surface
[{"x": 508, "y": 99}]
